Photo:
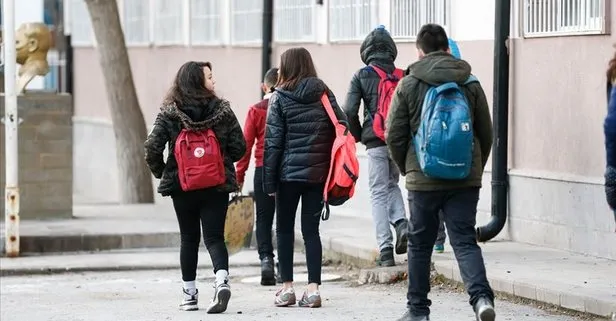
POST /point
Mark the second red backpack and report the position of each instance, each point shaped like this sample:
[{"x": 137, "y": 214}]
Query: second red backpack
[
  {"x": 200, "y": 160},
  {"x": 386, "y": 89},
  {"x": 343, "y": 167}
]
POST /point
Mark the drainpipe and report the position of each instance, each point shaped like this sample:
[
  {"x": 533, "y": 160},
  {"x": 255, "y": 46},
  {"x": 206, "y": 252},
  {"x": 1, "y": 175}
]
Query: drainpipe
[
  {"x": 501, "y": 123},
  {"x": 268, "y": 27}
]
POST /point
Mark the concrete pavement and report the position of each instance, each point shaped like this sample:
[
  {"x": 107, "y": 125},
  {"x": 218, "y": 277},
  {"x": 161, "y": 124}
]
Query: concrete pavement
[
  {"x": 561, "y": 278},
  {"x": 154, "y": 295}
]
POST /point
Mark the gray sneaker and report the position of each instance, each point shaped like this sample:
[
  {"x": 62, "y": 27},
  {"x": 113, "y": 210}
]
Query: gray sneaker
[
  {"x": 285, "y": 297},
  {"x": 222, "y": 294},
  {"x": 484, "y": 310},
  {"x": 189, "y": 301},
  {"x": 310, "y": 301}
]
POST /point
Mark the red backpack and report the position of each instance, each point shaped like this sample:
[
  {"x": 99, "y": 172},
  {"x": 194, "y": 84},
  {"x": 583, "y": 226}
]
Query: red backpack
[
  {"x": 343, "y": 167},
  {"x": 200, "y": 160},
  {"x": 387, "y": 86}
]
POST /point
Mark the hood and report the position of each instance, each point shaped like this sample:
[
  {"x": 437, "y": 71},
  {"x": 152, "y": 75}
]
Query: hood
[
  {"x": 200, "y": 117},
  {"x": 379, "y": 49},
  {"x": 439, "y": 67},
  {"x": 309, "y": 90}
]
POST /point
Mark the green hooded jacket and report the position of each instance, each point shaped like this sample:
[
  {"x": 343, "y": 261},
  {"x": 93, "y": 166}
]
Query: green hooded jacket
[{"x": 405, "y": 112}]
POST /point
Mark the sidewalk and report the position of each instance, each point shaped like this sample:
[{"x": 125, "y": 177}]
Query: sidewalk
[
  {"x": 564, "y": 279},
  {"x": 561, "y": 278}
]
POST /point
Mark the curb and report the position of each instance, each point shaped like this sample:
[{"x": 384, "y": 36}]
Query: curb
[
  {"x": 349, "y": 252},
  {"x": 29, "y": 244}
]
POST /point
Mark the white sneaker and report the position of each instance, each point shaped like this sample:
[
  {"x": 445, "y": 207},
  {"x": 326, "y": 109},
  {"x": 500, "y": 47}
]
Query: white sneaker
[
  {"x": 190, "y": 301},
  {"x": 222, "y": 294}
]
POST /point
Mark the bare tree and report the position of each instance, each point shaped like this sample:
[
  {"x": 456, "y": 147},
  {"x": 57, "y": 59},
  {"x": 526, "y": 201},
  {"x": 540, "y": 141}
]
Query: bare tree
[{"x": 126, "y": 116}]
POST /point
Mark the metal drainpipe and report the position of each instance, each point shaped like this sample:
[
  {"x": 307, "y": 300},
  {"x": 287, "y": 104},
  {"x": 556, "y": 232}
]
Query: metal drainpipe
[
  {"x": 500, "y": 116},
  {"x": 268, "y": 28}
]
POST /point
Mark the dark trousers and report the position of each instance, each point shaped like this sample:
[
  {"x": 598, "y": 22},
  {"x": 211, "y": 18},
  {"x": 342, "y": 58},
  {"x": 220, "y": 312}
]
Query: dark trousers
[
  {"x": 459, "y": 212},
  {"x": 441, "y": 236},
  {"x": 287, "y": 200},
  {"x": 266, "y": 206},
  {"x": 194, "y": 209}
]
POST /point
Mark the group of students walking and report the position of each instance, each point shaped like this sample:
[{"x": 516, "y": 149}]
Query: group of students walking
[{"x": 294, "y": 136}]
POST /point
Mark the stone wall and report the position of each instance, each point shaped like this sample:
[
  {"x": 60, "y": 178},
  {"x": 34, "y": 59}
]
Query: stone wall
[{"x": 45, "y": 155}]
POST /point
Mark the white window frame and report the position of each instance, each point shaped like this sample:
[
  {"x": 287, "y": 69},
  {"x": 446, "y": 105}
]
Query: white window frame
[
  {"x": 80, "y": 20},
  {"x": 287, "y": 14},
  {"x": 158, "y": 18},
  {"x": 360, "y": 29},
  {"x": 550, "y": 15},
  {"x": 235, "y": 13},
  {"x": 146, "y": 18},
  {"x": 218, "y": 19},
  {"x": 427, "y": 8}
]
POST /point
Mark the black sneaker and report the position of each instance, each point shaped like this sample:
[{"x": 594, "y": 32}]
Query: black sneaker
[
  {"x": 189, "y": 301},
  {"x": 386, "y": 258},
  {"x": 484, "y": 310},
  {"x": 402, "y": 236},
  {"x": 268, "y": 276},
  {"x": 222, "y": 294}
]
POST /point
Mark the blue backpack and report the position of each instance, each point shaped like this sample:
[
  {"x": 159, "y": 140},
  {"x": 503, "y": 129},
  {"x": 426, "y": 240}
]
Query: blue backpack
[{"x": 444, "y": 140}]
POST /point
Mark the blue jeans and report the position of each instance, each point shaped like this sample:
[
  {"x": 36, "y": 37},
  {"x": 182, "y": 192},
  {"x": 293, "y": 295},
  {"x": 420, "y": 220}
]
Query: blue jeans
[{"x": 459, "y": 211}]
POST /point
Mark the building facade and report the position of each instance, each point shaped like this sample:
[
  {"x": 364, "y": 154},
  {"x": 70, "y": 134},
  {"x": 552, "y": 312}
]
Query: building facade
[{"x": 559, "y": 53}]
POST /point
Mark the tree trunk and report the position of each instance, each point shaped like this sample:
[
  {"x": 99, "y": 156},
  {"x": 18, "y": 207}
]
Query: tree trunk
[{"x": 126, "y": 116}]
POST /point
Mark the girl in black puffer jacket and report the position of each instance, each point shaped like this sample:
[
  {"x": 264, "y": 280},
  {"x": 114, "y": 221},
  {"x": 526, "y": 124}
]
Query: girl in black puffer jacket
[
  {"x": 298, "y": 143},
  {"x": 192, "y": 104}
]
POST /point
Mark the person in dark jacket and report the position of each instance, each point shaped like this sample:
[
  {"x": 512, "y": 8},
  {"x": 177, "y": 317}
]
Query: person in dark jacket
[
  {"x": 609, "y": 128},
  {"x": 254, "y": 129},
  {"x": 298, "y": 142},
  {"x": 427, "y": 196},
  {"x": 378, "y": 49},
  {"x": 192, "y": 104}
]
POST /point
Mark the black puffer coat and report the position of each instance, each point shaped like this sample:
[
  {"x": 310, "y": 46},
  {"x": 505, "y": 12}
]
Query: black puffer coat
[
  {"x": 377, "y": 49},
  {"x": 299, "y": 135},
  {"x": 215, "y": 114}
]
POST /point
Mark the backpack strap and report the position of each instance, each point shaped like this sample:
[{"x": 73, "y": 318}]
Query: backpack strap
[
  {"x": 329, "y": 109},
  {"x": 471, "y": 79},
  {"x": 398, "y": 73}
]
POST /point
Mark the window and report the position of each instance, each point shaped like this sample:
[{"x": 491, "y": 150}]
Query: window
[
  {"x": 205, "y": 22},
  {"x": 351, "y": 20},
  {"x": 168, "y": 27},
  {"x": 246, "y": 18},
  {"x": 81, "y": 25},
  {"x": 407, "y": 17},
  {"x": 294, "y": 21},
  {"x": 137, "y": 22},
  {"x": 564, "y": 17}
]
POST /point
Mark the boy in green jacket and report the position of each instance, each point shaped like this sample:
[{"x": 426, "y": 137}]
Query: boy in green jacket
[{"x": 427, "y": 196}]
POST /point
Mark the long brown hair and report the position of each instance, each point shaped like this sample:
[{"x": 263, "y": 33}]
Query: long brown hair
[
  {"x": 188, "y": 88},
  {"x": 295, "y": 64}
]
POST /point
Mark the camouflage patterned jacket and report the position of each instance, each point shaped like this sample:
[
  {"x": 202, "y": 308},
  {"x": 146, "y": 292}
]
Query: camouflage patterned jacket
[{"x": 215, "y": 114}]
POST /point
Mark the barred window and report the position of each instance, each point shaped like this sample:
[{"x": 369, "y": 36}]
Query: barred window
[
  {"x": 564, "y": 17},
  {"x": 294, "y": 20},
  {"x": 246, "y": 18},
  {"x": 81, "y": 25},
  {"x": 351, "y": 20},
  {"x": 168, "y": 25},
  {"x": 407, "y": 17},
  {"x": 136, "y": 22},
  {"x": 205, "y": 22}
]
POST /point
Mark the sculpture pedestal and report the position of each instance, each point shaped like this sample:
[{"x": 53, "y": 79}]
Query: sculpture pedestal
[{"x": 45, "y": 155}]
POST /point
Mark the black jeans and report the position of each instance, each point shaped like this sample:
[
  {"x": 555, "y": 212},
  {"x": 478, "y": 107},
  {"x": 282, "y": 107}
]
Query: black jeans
[
  {"x": 287, "y": 200},
  {"x": 266, "y": 206},
  {"x": 207, "y": 208},
  {"x": 459, "y": 212}
]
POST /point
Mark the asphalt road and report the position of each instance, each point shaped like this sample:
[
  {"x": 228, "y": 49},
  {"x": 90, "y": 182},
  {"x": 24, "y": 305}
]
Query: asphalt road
[{"x": 155, "y": 295}]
